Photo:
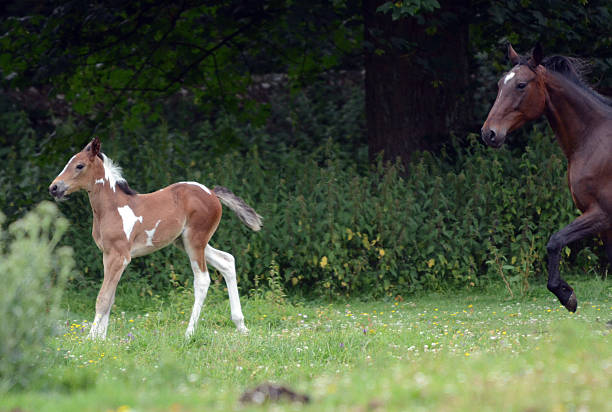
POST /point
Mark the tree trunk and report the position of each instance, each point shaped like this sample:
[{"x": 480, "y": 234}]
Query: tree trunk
[{"x": 416, "y": 78}]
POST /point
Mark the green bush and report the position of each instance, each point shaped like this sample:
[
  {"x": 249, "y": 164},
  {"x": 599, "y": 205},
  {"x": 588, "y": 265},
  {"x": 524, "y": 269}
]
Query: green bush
[
  {"x": 334, "y": 224},
  {"x": 443, "y": 224},
  {"x": 32, "y": 271}
]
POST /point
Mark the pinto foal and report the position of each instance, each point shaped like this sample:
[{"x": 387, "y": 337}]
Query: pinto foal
[{"x": 128, "y": 225}]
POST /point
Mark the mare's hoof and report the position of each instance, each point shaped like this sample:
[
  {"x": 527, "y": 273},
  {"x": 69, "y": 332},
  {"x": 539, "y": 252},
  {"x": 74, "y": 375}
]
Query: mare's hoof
[{"x": 572, "y": 303}]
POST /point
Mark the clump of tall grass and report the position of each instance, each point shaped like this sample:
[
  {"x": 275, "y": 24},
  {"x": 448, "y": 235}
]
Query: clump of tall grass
[{"x": 32, "y": 273}]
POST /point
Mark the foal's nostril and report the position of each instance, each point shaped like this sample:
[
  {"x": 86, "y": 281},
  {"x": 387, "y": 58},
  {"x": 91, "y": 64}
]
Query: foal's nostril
[
  {"x": 53, "y": 189},
  {"x": 492, "y": 136}
]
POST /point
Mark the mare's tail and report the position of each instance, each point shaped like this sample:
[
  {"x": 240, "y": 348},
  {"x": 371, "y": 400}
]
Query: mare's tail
[{"x": 244, "y": 212}]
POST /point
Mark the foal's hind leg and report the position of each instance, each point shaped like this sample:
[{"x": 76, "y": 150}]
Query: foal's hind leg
[
  {"x": 201, "y": 278},
  {"x": 591, "y": 222},
  {"x": 224, "y": 263}
]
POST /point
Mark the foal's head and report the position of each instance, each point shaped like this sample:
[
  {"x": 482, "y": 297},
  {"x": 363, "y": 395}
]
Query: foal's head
[
  {"x": 78, "y": 172},
  {"x": 520, "y": 99}
]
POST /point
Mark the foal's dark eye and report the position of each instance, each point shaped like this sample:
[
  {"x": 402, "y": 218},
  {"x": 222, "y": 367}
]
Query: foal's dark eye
[
  {"x": 521, "y": 85},
  {"x": 80, "y": 166}
]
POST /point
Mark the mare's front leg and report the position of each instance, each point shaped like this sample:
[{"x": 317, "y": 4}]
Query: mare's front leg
[
  {"x": 115, "y": 262},
  {"x": 590, "y": 223}
]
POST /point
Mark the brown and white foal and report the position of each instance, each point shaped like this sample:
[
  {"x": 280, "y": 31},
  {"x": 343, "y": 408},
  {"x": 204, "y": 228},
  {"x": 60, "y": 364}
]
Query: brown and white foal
[{"x": 128, "y": 225}]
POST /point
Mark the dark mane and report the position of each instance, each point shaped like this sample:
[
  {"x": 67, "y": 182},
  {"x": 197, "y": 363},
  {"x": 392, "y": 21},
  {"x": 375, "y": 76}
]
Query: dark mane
[
  {"x": 572, "y": 69},
  {"x": 125, "y": 188},
  {"x": 123, "y": 184}
]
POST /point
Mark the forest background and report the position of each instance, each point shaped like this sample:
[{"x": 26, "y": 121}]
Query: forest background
[{"x": 351, "y": 126}]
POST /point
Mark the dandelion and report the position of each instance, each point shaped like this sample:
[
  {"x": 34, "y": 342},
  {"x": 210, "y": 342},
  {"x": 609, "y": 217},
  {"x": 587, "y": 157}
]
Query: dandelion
[{"x": 323, "y": 262}]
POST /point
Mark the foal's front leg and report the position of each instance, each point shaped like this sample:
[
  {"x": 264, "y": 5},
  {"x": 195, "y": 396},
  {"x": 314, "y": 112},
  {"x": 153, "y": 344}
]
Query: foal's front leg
[{"x": 115, "y": 262}]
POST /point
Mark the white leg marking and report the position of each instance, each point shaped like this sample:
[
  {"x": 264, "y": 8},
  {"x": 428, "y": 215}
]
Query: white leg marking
[
  {"x": 200, "y": 185},
  {"x": 224, "y": 262},
  {"x": 129, "y": 219},
  {"x": 98, "y": 328},
  {"x": 201, "y": 282},
  {"x": 150, "y": 234}
]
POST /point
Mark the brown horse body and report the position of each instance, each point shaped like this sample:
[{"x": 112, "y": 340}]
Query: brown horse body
[
  {"x": 127, "y": 225},
  {"x": 582, "y": 122}
]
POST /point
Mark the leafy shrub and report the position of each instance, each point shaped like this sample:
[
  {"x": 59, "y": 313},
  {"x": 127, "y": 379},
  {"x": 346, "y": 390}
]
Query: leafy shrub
[
  {"x": 33, "y": 271},
  {"x": 334, "y": 224},
  {"x": 332, "y": 230}
]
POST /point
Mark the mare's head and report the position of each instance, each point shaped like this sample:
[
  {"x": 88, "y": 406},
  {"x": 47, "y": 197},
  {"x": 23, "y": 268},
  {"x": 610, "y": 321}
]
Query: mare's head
[
  {"x": 78, "y": 172},
  {"x": 521, "y": 97}
]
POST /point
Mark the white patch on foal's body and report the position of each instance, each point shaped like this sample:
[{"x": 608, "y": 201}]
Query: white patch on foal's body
[
  {"x": 200, "y": 185},
  {"x": 129, "y": 219},
  {"x": 509, "y": 77},
  {"x": 150, "y": 234},
  {"x": 100, "y": 181}
]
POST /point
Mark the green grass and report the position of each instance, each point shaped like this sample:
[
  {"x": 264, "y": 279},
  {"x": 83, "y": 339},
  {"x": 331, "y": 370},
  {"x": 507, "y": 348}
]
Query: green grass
[{"x": 452, "y": 352}]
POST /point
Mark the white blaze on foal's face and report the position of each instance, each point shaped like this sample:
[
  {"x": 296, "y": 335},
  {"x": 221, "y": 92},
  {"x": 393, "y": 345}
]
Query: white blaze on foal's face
[{"x": 129, "y": 219}]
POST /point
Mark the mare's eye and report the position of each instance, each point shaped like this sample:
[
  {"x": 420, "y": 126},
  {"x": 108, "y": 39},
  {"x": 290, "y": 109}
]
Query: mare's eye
[
  {"x": 521, "y": 85},
  {"x": 80, "y": 166}
]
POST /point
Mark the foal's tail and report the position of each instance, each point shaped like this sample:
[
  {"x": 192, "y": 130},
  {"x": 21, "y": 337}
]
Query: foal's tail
[{"x": 244, "y": 212}]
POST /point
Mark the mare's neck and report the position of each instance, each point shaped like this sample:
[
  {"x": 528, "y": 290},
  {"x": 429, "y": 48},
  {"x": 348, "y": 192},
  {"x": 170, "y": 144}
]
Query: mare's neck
[{"x": 572, "y": 112}]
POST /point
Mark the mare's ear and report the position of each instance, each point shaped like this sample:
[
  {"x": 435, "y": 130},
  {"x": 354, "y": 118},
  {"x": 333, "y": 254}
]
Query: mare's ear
[
  {"x": 513, "y": 56},
  {"x": 93, "y": 148},
  {"x": 537, "y": 55}
]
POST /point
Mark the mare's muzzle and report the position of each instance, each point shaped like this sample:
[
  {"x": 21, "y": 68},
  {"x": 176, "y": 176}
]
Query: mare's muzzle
[
  {"x": 491, "y": 138},
  {"x": 58, "y": 189}
]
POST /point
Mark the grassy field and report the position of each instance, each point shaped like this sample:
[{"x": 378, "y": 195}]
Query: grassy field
[{"x": 451, "y": 352}]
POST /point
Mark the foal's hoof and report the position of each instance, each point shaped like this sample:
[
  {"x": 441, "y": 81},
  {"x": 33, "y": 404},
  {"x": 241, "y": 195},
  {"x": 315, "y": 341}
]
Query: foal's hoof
[{"x": 572, "y": 303}]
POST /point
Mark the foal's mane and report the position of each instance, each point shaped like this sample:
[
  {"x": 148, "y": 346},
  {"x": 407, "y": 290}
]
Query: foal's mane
[
  {"x": 115, "y": 171},
  {"x": 573, "y": 70}
]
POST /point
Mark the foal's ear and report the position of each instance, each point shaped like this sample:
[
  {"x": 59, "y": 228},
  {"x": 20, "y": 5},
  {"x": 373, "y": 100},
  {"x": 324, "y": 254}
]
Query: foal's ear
[
  {"x": 93, "y": 148},
  {"x": 513, "y": 56},
  {"x": 536, "y": 55}
]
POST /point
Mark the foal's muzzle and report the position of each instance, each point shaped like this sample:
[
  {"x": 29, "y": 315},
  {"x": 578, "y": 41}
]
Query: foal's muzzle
[{"x": 58, "y": 189}]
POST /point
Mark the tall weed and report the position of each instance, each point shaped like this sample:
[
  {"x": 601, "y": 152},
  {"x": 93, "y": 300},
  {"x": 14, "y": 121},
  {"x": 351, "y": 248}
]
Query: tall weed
[{"x": 33, "y": 270}]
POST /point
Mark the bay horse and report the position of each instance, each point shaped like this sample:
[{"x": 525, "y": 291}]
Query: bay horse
[
  {"x": 582, "y": 121},
  {"x": 127, "y": 225}
]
